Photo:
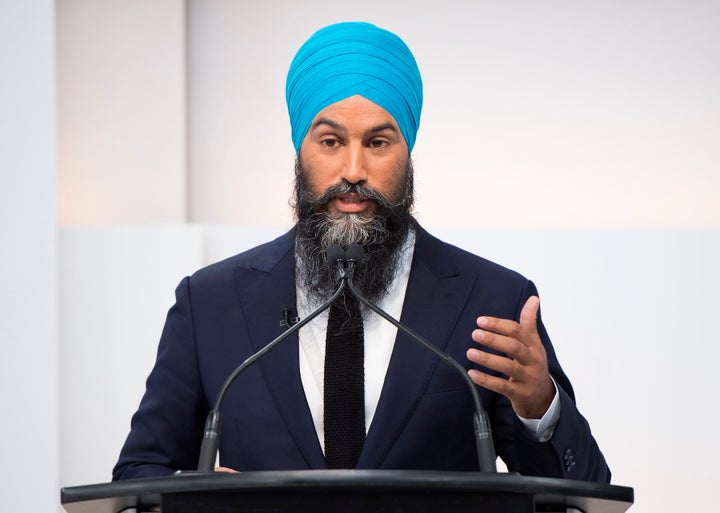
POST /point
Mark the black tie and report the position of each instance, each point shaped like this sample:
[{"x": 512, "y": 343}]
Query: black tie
[{"x": 344, "y": 384}]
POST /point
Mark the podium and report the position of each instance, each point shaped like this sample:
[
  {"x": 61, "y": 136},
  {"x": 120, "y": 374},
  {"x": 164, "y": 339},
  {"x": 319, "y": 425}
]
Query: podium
[{"x": 347, "y": 491}]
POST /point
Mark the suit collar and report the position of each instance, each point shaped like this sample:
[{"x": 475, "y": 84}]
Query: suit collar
[{"x": 432, "y": 253}]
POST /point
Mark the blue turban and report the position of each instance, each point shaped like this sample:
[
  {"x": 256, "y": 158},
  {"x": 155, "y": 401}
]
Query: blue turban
[{"x": 345, "y": 59}]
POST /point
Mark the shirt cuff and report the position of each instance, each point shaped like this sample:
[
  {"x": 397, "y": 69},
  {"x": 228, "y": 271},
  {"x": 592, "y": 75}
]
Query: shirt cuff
[{"x": 541, "y": 430}]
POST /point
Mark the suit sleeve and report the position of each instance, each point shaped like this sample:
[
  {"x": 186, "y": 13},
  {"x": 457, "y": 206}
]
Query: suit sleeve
[
  {"x": 166, "y": 430},
  {"x": 572, "y": 452}
]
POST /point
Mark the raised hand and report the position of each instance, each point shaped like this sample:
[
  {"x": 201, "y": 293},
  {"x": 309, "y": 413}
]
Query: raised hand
[{"x": 528, "y": 385}]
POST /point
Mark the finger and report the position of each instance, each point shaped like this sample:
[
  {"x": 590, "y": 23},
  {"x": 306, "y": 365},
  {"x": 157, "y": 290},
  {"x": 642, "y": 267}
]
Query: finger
[
  {"x": 510, "y": 346},
  {"x": 226, "y": 469},
  {"x": 496, "y": 384},
  {"x": 509, "y": 367},
  {"x": 528, "y": 320},
  {"x": 503, "y": 326},
  {"x": 529, "y": 313}
]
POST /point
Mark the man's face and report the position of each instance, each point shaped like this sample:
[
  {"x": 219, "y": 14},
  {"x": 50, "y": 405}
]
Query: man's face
[
  {"x": 355, "y": 141},
  {"x": 353, "y": 184}
]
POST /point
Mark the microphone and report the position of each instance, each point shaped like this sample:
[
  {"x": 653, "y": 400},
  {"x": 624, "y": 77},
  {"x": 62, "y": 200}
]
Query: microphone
[
  {"x": 483, "y": 434},
  {"x": 336, "y": 258},
  {"x": 354, "y": 255},
  {"x": 211, "y": 437}
]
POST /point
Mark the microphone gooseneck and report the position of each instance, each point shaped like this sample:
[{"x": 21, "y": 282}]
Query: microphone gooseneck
[
  {"x": 211, "y": 437},
  {"x": 482, "y": 430},
  {"x": 345, "y": 263}
]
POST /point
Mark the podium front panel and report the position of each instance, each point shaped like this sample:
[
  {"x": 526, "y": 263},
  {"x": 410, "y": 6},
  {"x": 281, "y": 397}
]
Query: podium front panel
[{"x": 350, "y": 501}]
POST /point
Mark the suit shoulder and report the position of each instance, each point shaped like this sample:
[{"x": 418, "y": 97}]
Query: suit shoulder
[
  {"x": 482, "y": 265},
  {"x": 461, "y": 261},
  {"x": 263, "y": 257}
]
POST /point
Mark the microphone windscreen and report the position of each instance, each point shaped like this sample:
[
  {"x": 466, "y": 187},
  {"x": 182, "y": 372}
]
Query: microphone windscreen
[
  {"x": 355, "y": 252},
  {"x": 333, "y": 254}
]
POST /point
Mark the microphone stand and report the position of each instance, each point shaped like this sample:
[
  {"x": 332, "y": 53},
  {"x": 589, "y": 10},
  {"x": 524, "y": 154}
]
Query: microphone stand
[
  {"x": 483, "y": 434},
  {"x": 211, "y": 437}
]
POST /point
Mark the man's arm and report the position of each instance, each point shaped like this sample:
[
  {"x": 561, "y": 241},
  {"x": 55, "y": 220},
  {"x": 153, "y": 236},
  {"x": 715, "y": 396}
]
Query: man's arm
[{"x": 526, "y": 360}]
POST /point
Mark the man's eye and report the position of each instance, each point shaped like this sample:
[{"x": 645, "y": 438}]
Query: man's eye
[
  {"x": 329, "y": 143},
  {"x": 378, "y": 143}
]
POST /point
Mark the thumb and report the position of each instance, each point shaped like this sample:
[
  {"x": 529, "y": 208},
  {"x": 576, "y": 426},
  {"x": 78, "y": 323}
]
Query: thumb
[{"x": 528, "y": 315}]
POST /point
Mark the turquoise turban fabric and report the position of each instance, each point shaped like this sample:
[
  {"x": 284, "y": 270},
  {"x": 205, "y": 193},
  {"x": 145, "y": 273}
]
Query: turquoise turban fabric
[{"x": 351, "y": 58}]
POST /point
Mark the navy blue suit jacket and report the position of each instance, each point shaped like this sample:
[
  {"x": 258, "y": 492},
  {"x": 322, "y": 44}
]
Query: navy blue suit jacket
[{"x": 229, "y": 310}]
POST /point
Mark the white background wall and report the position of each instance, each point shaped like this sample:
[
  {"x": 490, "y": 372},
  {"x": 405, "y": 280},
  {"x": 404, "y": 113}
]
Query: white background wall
[
  {"x": 575, "y": 142},
  {"x": 29, "y": 429}
]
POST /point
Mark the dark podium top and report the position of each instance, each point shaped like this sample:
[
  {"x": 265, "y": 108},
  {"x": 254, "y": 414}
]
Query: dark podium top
[{"x": 347, "y": 491}]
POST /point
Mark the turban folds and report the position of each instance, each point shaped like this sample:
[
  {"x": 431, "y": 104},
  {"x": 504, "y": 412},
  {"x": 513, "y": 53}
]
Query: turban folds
[{"x": 345, "y": 59}]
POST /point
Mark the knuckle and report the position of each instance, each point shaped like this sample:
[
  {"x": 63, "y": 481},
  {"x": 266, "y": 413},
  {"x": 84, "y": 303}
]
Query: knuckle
[
  {"x": 504, "y": 387},
  {"x": 517, "y": 347},
  {"x": 518, "y": 370}
]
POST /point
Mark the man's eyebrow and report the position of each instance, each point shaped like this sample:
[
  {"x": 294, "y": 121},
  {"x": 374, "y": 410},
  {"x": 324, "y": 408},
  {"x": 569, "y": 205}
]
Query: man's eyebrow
[
  {"x": 326, "y": 121},
  {"x": 337, "y": 126},
  {"x": 384, "y": 126}
]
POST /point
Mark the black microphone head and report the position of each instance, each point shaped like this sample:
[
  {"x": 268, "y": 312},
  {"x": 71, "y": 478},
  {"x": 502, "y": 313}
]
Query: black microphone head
[
  {"x": 355, "y": 252},
  {"x": 333, "y": 254}
]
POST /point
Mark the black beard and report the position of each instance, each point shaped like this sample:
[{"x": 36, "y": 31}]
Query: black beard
[{"x": 381, "y": 234}]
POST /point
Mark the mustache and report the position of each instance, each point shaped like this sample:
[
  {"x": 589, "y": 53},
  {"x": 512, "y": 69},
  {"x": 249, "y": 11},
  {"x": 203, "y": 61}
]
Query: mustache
[{"x": 344, "y": 187}]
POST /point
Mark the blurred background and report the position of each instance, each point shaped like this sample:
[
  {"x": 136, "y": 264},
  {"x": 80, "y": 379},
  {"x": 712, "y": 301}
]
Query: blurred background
[{"x": 576, "y": 142}]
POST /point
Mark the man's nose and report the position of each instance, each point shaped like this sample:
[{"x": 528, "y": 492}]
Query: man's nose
[{"x": 354, "y": 168}]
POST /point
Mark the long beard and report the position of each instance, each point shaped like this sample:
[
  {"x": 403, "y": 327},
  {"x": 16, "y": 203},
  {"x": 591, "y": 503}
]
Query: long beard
[{"x": 381, "y": 234}]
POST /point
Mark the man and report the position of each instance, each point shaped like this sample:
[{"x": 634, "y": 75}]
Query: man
[{"x": 349, "y": 391}]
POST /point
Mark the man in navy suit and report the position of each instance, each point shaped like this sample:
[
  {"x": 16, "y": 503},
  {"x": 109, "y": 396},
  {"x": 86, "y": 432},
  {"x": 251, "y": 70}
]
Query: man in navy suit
[{"x": 354, "y": 97}]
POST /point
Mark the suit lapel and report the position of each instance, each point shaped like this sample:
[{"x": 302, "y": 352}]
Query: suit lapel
[
  {"x": 434, "y": 300},
  {"x": 263, "y": 288}
]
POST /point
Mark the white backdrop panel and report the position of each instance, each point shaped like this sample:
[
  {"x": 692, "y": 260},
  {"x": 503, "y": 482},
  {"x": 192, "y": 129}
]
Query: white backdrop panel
[
  {"x": 28, "y": 259},
  {"x": 121, "y": 111},
  {"x": 555, "y": 113},
  {"x": 116, "y": 284}
]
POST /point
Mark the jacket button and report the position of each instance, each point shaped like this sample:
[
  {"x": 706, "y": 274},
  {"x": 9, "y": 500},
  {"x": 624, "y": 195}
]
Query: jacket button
[{"x": 569, "y": 459}]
